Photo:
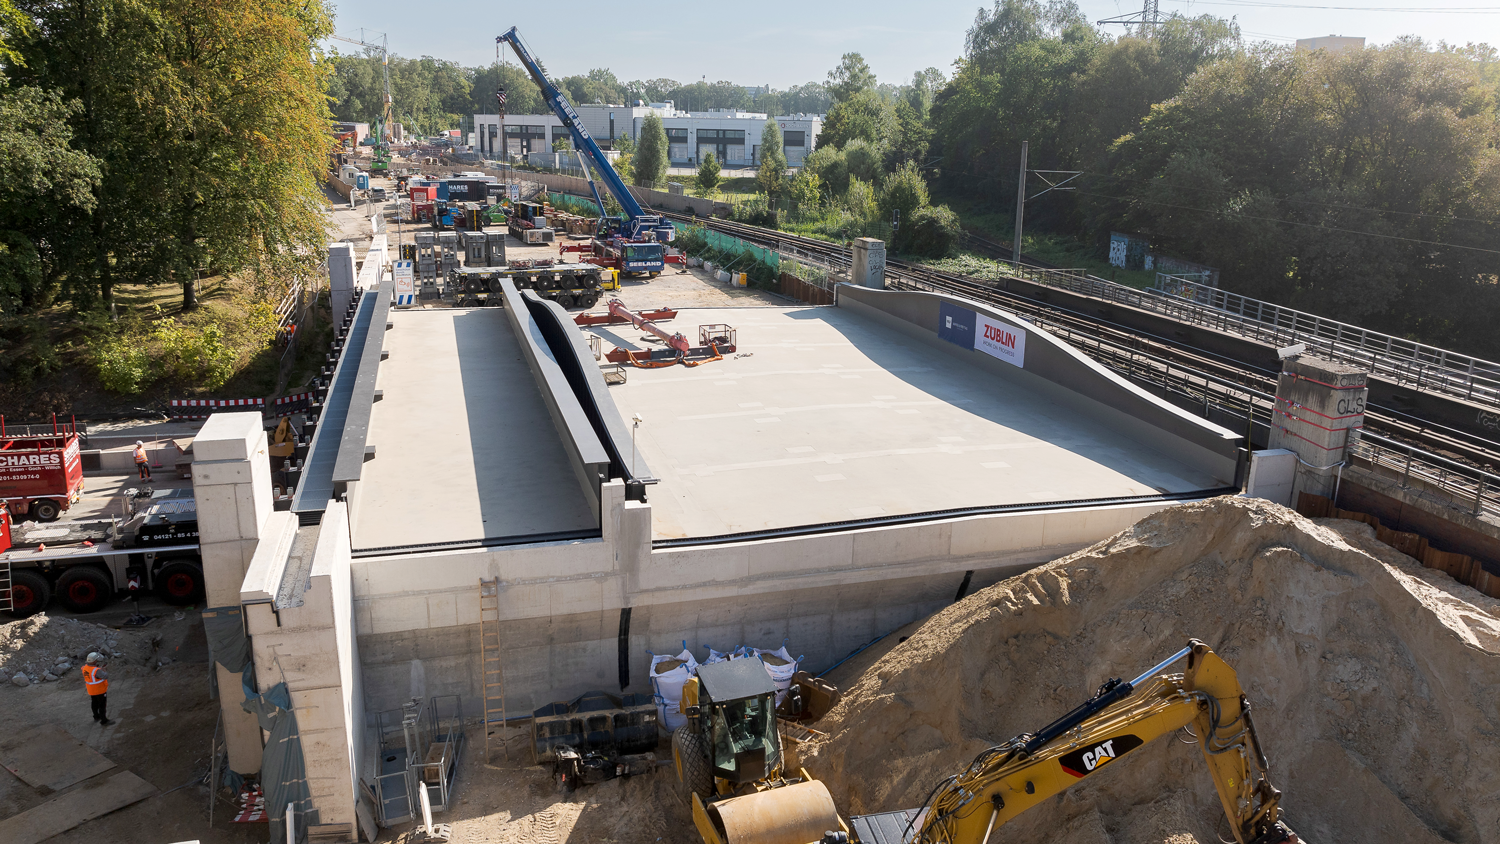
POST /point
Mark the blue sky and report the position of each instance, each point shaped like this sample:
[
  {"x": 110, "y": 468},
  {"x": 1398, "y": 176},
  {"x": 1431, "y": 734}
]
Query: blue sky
[{"x": 783, "y": 44}]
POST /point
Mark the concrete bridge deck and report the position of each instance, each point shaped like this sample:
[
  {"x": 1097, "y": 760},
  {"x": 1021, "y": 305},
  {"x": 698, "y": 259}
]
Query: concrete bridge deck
[{"x": 830, "y": 416}]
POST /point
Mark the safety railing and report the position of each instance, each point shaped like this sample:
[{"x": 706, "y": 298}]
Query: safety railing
[
  {"x": 1405, "y": 361},
  {"x": 1383, "y": 355},
  {"x": 1470, "y": 488}
]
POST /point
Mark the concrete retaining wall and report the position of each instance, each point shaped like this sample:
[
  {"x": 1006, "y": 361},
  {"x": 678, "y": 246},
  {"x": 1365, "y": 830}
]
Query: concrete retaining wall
[
  {"x": 1054, "y": 368},
  {"x": 585, "y": 453},
  {"x": 561, "y": 603}
]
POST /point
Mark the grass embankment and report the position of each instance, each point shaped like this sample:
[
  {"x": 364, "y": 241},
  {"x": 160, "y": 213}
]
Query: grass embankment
[{"x": 60, "y": 361}]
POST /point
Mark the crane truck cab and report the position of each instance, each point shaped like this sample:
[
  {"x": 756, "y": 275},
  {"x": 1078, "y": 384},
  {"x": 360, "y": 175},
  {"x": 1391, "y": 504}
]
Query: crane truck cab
[{"x": 729, "y": 756}]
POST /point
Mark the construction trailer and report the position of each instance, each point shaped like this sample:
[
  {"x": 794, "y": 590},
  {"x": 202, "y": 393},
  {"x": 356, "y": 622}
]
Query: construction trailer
[{"x": 86, "y": 564}]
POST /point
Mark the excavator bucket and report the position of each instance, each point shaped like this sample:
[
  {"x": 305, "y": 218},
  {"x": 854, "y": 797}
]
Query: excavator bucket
[{"x": 791, "y": 814}]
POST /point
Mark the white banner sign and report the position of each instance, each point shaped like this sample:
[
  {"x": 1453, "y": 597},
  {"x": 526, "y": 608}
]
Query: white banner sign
[
  {"x": 406, "y": 286},
  {"x": 1001, "y": 340}
]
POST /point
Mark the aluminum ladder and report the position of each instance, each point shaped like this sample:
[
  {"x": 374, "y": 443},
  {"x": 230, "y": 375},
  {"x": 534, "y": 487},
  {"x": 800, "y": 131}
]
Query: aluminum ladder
[{"x": 491, "y": 669}]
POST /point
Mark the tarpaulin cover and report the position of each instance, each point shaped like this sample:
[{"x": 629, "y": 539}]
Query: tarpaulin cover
[
  {"x": 225, "y": 629},
  {"x": 283, "y": 771}
]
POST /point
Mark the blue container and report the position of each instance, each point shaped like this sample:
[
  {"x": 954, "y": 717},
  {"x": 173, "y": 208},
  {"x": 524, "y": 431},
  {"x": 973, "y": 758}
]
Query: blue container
[
  {"x": 362, "y": 181},
  {"x": 443, "y": 190}
]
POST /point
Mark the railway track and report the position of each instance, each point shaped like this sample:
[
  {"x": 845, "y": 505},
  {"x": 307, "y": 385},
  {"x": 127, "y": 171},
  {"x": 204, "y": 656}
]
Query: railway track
[{"x": 1157, "y": 362}]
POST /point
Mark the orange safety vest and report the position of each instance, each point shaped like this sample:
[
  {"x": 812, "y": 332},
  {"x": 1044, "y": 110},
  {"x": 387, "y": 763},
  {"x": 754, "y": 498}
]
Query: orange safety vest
[
  {"x": 92, "y": 683},
  {"x": 140, "y": 454}
]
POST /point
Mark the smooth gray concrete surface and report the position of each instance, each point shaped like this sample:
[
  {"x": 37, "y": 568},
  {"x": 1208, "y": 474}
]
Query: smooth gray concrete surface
[
  {"x": 826, "y": 416},
  {"x": 465, "y": 449},
  {"x": 562, "y": 655}
]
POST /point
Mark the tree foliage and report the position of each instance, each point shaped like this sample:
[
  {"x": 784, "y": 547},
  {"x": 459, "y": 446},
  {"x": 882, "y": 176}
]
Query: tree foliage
[
  {"x": 772, "y": 174},
  {"x": 650, "y": 159},
  {"x": 709, "y": 175},
  {"x": 852, "y": 76},
  {"x": 206, "y": 126}
]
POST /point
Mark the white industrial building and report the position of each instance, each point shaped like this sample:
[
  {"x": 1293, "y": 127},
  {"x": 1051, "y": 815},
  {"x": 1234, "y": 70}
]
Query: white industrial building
[{"x": 732, "y": 135}]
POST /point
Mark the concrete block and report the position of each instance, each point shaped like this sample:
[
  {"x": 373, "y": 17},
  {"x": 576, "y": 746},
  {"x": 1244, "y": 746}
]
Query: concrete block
[
  {"x": 221, "y": 472},
  {"x": 249, "y": 510},
  {"x": 218, "y": 514},
  {"x": 996, "y": 534},
  {"x": 228, "y": 436},
  {"x": 674, "y": 568},
  {"x": 803, "y": 553},
  {"x": 442, "y": 610},
  {"x": 578, "y": 596},
  {"x": 907, "y": 543},
  {"x": 224, "y": 567},
  {"x": 268, "y": 560},
  {"x": 397, "y": 612}
]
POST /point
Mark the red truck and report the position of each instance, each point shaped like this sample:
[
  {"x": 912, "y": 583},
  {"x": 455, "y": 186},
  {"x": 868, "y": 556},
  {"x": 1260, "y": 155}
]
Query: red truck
[{"x": 40, "y": 475}]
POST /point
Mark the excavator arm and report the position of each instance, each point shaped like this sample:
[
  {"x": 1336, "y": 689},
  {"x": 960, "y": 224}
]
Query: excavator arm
[{"x": 1010, "y": 778}]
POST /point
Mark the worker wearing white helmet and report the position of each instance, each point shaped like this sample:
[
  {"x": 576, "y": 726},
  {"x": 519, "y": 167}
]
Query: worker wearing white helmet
[
  {"x": 96, "y": 683},
  {"x": 141, "y": 463}
]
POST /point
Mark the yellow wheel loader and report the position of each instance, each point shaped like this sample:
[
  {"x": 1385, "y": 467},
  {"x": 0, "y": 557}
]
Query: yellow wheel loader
[{"x": 729, "y": 756}]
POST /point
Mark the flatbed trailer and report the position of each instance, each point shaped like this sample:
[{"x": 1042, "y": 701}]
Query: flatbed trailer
[
  {"x": 572, "y": 285},
  {"x": 85, "y": 565}
]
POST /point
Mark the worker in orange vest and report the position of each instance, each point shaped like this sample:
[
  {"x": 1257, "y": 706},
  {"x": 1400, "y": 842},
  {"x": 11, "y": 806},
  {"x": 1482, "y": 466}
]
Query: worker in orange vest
[
  {"x": 141, "y": 464},
  {"x": 96, "y": 683}
]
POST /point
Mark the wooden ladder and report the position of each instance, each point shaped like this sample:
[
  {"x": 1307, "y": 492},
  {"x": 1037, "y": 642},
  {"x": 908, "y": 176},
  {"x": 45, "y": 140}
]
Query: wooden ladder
[{"x": 491, "y": 669}]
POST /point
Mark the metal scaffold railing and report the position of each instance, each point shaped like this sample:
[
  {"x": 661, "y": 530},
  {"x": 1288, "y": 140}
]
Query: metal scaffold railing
[{"x": 1469, "y": 488}]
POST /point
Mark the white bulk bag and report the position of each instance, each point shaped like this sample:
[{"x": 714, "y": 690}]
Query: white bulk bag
[
  {"x": 668, "y": 675},
  {"x": 781, "y": 666}
]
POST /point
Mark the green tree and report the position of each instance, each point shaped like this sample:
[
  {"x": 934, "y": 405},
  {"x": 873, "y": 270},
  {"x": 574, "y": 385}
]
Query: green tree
[
  {"x": 709, "y": 175},
  {"x": 650, "y": 160},
  {"x": 43, "y": 181},
  {"x": 831, "y": 168},
  {"x": 562, "y": 144},
  {"x": 804, "y": 188},
  {"x": 852, "y": 76},
  {"x": 862, "y": 116},
  {"x": 772, "y": 174},
  {"x": 903, "y": 193}
]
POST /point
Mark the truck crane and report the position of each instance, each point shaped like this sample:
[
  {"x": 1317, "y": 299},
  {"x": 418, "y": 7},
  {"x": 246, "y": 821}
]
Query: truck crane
[
  {"x": 383, "y": 132},
  {"x": 633, "y": 245},
  {"x": 1001, "y": 782}
]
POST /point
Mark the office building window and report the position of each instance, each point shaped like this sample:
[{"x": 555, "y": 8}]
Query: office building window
[
  {"x": 677, "y": 136},
  {"x": 793, "y": 139}
]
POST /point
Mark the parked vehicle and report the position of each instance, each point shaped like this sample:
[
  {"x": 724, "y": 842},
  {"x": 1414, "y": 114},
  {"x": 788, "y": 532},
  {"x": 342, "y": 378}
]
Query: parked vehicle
[
  {"x": 86, "y": 564},
  {"x": 41, "y": 476}
]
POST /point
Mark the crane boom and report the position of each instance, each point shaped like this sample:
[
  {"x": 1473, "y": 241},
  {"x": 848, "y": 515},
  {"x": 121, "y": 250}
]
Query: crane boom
[
  {"x": 386, "y": 133},
  {"x": 640, "y": 222}
]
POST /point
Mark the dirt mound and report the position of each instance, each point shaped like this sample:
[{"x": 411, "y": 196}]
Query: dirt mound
[
  {"x": 44, "y": 648},
  {"x": 1373, "y": 682}
]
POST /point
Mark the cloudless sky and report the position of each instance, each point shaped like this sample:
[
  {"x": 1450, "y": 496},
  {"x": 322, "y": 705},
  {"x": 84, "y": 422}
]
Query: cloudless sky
[{"x": 783, "y": 44}]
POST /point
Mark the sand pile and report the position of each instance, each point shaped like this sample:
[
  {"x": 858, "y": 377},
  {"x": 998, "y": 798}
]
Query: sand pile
[{"x": 1375, "y": 683}]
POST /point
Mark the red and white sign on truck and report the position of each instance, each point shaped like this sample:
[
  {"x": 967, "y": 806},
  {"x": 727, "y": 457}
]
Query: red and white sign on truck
[{"x": 40, "y": 475}]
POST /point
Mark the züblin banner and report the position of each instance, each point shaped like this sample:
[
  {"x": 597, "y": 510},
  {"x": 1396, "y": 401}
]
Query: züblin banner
[{"x": 966, "y": 328}]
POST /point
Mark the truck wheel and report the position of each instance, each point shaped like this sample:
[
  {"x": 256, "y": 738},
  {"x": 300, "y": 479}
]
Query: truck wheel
[
  {"x": 690, "y": 754},
  {"x": 29, "y": 593},
  {"x": 654, "y": 275},
  {"x": 45, "y": 510},
  {"x": 84, "y": 589},
  {"x": 179, "y": 583}
]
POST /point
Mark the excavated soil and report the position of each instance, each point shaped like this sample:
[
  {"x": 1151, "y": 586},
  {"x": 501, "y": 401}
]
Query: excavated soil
[{"x": 1373, "y": 681}]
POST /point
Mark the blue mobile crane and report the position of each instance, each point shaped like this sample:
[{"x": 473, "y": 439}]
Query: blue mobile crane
[{"x": 634, "y": 244}]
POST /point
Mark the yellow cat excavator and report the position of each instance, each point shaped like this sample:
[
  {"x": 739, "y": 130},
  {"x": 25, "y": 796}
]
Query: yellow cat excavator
[{"x": 1006, "y": 780}]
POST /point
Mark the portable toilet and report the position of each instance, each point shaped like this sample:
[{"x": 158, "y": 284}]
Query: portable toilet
[{"x": 362, "y": 181}]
